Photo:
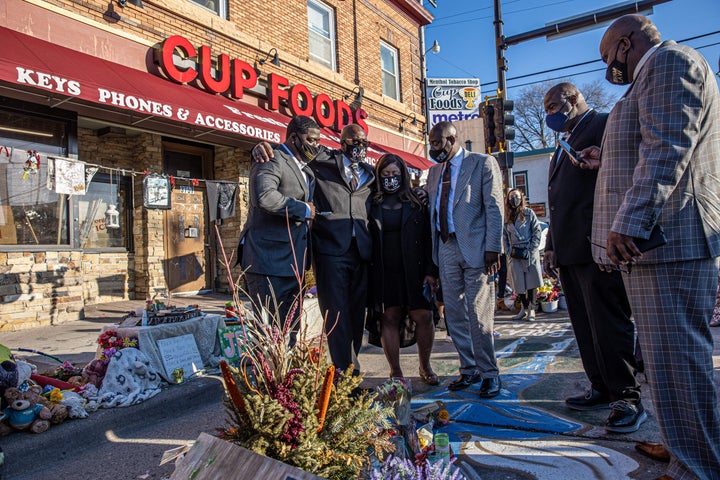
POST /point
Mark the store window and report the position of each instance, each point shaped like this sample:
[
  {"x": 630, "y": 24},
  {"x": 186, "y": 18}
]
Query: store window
[
  {"x": 520, "y": 180},
  {"x": 98, "y": 227},
  {"x": 321, "y": 33},
  {"x": 30, "y": 213},
  {"x": 219, "y": 7},
  {"x": 389, "y": 65}
]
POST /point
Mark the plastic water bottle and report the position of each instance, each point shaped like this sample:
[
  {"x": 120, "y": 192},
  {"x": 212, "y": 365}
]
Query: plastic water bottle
[{"x": 442, "y": 447}]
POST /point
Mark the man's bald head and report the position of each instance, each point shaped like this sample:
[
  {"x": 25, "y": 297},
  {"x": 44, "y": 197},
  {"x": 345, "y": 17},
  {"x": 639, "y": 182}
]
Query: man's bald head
[
  {"x": 352, "y": 132},
  {"x": 442, "y": 134},
  {"x": 627, "y": 39},
  {"x": 566, "y": 98}
]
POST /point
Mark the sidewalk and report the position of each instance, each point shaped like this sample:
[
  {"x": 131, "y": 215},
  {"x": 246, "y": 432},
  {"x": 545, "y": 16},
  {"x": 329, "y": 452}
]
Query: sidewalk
[{"x": 526, "y": 432}]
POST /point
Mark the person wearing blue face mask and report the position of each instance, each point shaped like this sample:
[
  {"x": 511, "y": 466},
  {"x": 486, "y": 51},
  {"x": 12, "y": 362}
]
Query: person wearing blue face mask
[
  {"x": 401, "y": 273},
  {"x": 597, "y": 303}
]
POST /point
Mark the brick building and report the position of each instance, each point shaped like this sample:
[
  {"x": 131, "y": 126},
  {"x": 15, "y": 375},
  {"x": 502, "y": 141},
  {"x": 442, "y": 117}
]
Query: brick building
[{"x": 175, "y": 92}]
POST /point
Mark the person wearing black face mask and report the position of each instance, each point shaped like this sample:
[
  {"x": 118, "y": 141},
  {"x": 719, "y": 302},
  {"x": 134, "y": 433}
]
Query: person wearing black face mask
[
  {"x": 341, "y": 243},
  {"x": 465, "y": 198},
  {"x": 659, "y": 166},
  {"x": 401, "y": 270},
  {"x": 599, "y": 310},
  {"x": 274, "y": 240}
]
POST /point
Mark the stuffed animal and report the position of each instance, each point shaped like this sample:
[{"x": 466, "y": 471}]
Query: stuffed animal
[
  {"x": 94, "y": 372},
  {"x": 24, "y": 411}
]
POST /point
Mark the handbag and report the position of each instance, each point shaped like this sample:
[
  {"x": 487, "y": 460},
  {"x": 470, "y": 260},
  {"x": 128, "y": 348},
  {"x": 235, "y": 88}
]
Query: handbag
[{"x": 520, "y": 252}]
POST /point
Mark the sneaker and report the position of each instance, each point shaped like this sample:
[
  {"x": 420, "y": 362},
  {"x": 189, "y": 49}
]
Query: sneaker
[
  {"x": 521, "y": 314},
  {"x": 531, "y": 316},
  {"x": 590, "y": 400},
  {"x": 625, "y": 417}
]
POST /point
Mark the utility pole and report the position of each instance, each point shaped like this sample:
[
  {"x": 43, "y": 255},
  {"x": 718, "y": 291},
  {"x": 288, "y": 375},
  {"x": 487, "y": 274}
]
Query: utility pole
[{"x": 502, "y": 67}]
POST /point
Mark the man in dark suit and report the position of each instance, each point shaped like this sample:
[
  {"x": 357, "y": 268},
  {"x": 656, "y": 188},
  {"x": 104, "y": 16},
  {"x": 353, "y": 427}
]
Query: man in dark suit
[
  {"x": 341, "y": 243},
  {"x": 597, "y": 303},
  {"x": 659, "y": 166},
  {"x": 275, "y": 235},
  {"x": 465, "y": 198}
]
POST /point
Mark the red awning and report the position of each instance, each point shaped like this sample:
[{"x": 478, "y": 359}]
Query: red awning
[{"x": 74, "y": 77}]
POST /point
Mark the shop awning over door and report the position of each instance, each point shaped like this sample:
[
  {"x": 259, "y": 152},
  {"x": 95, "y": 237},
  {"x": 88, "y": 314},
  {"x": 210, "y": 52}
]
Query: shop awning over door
[{"x": 71, "y": 77}]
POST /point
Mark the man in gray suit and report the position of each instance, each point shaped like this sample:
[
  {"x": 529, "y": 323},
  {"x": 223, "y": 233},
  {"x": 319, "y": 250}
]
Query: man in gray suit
[
  {"x": 660, "y": 165},
  {"x": 465, "y": 197},
  {"x": 275, "y": 250}
]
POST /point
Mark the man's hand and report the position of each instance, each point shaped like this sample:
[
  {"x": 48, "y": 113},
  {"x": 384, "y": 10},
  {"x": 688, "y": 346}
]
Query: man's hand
[
  {"x": 312, "y": 210},
  {"x": 589, "y": 158},
  {"x": 422, "y": 195},
  {"x": 622, "y": 249},
  {"x": 262, "y": 152},
  {"x": 492, "y": 262},
  {"x": 550, "y": 264}
]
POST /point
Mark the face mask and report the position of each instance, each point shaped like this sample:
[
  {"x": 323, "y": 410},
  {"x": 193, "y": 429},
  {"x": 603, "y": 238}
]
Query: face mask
[
  {"x": 617, "y": 71},
  {"x": 391, "y": 184},
  {"x": 514, "y": 201},
  {"x": 307, "y": 151},
  {"x": 556, "y": 121},
  {"x": 441, "y": 154},
  {"x": 356, "y": 153}
]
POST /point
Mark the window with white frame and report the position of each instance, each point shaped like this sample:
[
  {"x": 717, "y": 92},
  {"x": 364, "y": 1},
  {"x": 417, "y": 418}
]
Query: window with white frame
[
  {"x": 321, "y": 33},
  {"x": 389, "y": 66},
  {"x": 219, "y": 7}
]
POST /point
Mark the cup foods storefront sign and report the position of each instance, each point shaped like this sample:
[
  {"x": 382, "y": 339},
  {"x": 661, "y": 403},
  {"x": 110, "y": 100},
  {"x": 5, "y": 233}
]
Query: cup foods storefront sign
[
  {"x": 232, "y": 77},
  {"x": 453, "y": 99}
]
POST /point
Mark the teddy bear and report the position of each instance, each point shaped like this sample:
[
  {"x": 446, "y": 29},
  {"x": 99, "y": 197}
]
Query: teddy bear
[{"x": 24, "y": 411}]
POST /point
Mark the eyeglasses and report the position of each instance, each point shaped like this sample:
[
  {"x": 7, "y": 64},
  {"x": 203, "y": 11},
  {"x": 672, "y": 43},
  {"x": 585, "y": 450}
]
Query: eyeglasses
[
  {"x": 624, "y": 267},
  {"x": 358, "y": 142}
]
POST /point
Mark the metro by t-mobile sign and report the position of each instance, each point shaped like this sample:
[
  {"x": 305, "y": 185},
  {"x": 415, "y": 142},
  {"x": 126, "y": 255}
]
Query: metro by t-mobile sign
[{"x": 233, "y": 76}]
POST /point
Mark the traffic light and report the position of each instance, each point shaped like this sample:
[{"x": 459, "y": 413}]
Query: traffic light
[
  {"x": 489, "y": 124},
  {"x": 504, "y": 121}
]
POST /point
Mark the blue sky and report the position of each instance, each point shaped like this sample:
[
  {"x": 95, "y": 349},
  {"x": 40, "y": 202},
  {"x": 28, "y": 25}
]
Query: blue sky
[{"x": 465, "y": 31}]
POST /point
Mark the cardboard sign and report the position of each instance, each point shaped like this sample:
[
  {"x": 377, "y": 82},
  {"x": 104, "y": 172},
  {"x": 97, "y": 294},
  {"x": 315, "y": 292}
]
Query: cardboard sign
[{"x": 180, "y": 352}]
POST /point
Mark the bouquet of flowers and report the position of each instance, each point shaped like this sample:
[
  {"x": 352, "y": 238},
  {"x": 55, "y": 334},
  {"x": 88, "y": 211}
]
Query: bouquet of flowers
[
  {"x": 110, "y": 343},
  {"x": 396, "y": 393},
  {"x": 549, "y": 291}
]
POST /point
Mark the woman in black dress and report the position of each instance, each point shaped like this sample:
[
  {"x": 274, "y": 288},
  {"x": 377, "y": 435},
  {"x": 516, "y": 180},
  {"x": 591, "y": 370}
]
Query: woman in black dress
[{"x": 402, "y": 273}]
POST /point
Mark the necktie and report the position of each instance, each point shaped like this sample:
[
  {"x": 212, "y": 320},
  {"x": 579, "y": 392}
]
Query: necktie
[
  {"x": 444, "y": 199},
  {"x": 354, "y": 176}
]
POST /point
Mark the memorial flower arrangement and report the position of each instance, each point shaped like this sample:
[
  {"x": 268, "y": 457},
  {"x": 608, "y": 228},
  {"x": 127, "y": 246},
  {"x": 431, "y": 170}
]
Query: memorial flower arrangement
[
  {"x": 549, "y": 291},
  {"x": 287, "y": 402},
  {"x": 404, "y": 469},
  {"x": 110, "y": 343}
]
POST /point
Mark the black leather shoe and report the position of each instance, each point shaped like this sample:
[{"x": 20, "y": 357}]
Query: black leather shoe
[
  {"x": 490, "y": 387},
  {"x": 625, "y": 417},
  {"x": 590, "y": 400},
  {"x": 464, "y": 381}
]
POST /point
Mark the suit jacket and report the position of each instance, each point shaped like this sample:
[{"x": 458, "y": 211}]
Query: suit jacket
[
  {"x": 476, "y": 209},
  {"x": 571, "y": 192},
  {"x": 415, "y": 249},
  {"x": 661, "y": 159},
  {"x": 332, "y": 234},
  {"x": 277, "y": 189}
]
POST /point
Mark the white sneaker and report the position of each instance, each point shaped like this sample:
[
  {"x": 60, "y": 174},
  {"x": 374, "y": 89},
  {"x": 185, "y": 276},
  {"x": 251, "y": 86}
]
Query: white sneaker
[
  {"x": 521, "y": 314},
  {"x": 531, "y": 316}
]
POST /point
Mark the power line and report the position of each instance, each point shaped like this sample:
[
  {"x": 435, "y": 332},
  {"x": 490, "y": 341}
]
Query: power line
[{"x": 507, "y": 13}]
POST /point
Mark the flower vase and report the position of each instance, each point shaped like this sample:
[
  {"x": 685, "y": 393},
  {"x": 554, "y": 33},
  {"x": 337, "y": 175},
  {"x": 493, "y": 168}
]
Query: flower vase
[{"x": 549, "y": 307}]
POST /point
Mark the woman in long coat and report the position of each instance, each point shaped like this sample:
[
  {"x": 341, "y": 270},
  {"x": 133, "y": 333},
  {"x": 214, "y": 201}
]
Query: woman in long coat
[
  {"x": 521, "y": 239},
  {"x": 402, "y": 274}
]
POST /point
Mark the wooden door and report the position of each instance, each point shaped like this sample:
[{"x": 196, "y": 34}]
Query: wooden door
[{"x": 187, "y": 252}]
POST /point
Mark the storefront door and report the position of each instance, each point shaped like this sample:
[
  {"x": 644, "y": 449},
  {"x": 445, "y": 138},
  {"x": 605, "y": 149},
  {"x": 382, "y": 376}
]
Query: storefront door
[{"x": 187, "y": 252}]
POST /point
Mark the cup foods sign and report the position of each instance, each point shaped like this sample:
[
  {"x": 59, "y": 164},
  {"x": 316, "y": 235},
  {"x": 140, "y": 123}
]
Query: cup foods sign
[{"x": 453, "y": 99}]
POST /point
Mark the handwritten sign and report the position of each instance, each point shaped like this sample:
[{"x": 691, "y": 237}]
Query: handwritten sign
[
  {"x": 232, "y": 343},
  {"x": 180, "y": 352}
]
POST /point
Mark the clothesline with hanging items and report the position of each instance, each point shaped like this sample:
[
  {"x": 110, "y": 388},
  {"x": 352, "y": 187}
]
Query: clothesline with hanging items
[{"x": 73, "y": 177}]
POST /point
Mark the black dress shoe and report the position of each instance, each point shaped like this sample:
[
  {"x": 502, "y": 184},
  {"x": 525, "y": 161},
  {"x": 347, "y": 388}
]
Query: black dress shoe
[
  {"x": 590, "y": 400},
  {"x": 490, "y": 387},
  {"x": 464, "y": 381},
  {"x": 625, "y": 417}
]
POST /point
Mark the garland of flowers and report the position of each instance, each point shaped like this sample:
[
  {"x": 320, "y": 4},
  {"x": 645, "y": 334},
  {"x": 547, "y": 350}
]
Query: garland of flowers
[{"x": 110, "y": 343}]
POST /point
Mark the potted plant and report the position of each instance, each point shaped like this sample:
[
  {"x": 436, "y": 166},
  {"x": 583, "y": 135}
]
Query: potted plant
[{"x": 548, "y": 295}]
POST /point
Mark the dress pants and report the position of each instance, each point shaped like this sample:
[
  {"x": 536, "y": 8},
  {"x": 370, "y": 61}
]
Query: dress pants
[
  {"x": 342, "y": 297},
  {"x": 673, "y": 304},
  {"x": 600, "y": 316},
  {"x": 469, "y": 295},
  {"x": 277, "y": 295}
]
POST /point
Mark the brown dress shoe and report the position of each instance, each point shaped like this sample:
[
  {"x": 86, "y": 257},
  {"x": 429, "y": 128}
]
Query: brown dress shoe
[
  {"x": 664, "y": 477},
  {"x": 656, "y": 451}
]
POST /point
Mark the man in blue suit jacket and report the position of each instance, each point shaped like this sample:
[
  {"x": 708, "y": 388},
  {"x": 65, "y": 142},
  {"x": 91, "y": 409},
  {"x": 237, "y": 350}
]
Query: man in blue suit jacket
[
  {"x": 660, "y": 165},
  {"x": 275, "y": 249}
]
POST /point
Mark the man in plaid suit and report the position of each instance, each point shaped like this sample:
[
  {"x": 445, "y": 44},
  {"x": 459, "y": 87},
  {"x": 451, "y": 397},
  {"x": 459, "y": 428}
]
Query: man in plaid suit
[
  {"x": 660, "y": 164},
  {"x": 465, "y": 196}
]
